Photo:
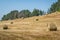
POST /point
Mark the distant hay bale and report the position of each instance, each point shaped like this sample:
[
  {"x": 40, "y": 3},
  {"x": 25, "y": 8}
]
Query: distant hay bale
[
  {"x": 22, "y": 17},
  {"x": 37, "y": 19},
  {"x": 5, "y": 27},
  {"x": 11, "y": 22},
  {"x": 53, "y": 27}
]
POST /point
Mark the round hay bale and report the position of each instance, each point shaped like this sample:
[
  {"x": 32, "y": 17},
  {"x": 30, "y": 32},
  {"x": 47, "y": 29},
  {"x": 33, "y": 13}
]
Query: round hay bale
[
  {"x": 37, "y": 19},
  {"x": 5, "y": 27},
  {"x": 22, "y": 17},
  {"x": 11, "y": 22},
  {"x": 53, "y": 27}
]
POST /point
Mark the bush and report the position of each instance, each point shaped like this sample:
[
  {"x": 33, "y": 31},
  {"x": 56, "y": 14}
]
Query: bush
[
  {"x": 53, "y": 27},
  {"x": 37, "y": 19},
  {"x": 5, "y": 27},
  {"x": 11, "y": 22}
]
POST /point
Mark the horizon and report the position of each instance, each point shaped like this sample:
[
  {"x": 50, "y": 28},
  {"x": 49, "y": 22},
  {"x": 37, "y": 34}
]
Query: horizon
[{"x": 9, "y": 5}]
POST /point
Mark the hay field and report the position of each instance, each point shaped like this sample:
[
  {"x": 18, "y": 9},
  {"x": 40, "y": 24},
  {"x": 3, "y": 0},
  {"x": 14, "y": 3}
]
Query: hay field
[{"x": 31, "y": 29}]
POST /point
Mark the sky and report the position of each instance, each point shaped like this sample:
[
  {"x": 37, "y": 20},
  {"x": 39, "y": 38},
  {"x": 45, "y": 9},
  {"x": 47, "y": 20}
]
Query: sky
[{"x": 9, "y": 5}]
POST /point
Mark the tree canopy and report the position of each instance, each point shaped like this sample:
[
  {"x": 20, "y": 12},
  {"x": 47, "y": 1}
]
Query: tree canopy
[
  {"x": 23, "y": 13},
  {"x": 54, "y": 7}
]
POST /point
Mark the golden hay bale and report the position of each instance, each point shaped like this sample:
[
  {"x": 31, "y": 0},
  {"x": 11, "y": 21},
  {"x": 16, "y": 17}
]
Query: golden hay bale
[
  {"x": 11, "y": 22},
  {"x": 53, "y": 27},
  {"x": 37, "y": 19},
  {"x": 5, "y": 27}
]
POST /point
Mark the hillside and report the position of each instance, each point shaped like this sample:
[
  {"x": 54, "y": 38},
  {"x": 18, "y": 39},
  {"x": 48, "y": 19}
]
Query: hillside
[{"x": 32, "y": 28}]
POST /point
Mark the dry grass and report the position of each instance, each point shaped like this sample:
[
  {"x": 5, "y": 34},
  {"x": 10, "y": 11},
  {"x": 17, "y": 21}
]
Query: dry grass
[{"x": 30, "y": 29}]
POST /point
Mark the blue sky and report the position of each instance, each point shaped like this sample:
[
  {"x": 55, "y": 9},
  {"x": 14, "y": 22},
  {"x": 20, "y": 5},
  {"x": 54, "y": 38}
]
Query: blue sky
[{"x": 8, "y": 5}]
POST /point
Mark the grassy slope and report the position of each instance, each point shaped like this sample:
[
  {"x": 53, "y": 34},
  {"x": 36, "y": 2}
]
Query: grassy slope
[{"x": 30, "y": 29}]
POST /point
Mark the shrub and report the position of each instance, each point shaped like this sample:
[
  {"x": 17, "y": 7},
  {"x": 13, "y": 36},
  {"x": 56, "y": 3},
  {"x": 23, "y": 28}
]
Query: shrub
[
  {"x": 5, "y": 27},
  {"x": 11, "y": 22},
  {"x": 53, "y": 27},
  {"x": 37, "y": 19}
]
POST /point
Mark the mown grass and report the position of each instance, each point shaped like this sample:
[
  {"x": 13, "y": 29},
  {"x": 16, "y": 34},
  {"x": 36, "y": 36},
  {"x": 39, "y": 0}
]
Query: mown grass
[{"x": 6, "y": 35}]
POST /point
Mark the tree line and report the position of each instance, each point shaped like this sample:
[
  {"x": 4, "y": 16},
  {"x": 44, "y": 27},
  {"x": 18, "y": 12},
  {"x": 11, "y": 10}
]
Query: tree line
[
  {"x": 23, "y": 13},
  {"x": 36, "y": 12}
]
